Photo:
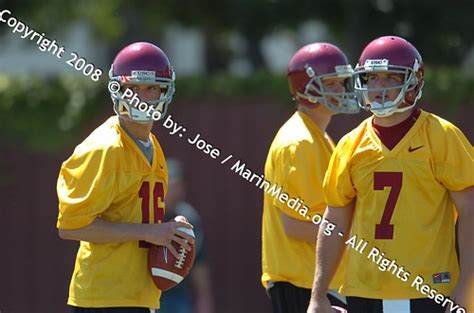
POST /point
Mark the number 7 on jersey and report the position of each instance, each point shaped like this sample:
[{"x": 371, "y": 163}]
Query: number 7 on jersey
[{"x": 384, "y": 230}]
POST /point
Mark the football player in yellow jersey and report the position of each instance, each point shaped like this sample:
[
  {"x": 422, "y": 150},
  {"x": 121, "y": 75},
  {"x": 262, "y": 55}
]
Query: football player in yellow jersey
[
  {"x": 111, "y": 193},
  {"x": 318, "y": 75},
  {"x": 394, "y": 188}
]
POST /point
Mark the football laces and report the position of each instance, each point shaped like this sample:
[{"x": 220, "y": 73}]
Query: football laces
[
  {"x": 165, "y": 254},
  {"x": 182, "y": 257}
]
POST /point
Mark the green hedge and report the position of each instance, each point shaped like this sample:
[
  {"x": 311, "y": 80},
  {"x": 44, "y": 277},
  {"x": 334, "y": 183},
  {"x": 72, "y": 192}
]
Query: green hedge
[{"x": 45, "y": 114}]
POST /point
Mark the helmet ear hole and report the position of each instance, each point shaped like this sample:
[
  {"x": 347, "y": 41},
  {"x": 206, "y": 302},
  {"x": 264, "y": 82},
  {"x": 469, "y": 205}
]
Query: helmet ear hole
[{"x": 414, "y": 88}]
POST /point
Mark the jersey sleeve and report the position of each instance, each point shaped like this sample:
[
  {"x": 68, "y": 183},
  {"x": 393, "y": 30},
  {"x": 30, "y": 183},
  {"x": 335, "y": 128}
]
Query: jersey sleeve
[
  {"x": 85, "y": 188},
  {"x": 300, "y": 177},
  {"x": 338, "y": 187},
  {"x": 454, "y": 160}
]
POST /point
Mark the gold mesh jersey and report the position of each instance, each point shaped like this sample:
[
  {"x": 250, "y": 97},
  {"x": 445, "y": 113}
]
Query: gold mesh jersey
[
  {"x": 403, "y": 206},
  {"x": 108, "y": 176},
  {"x": 297, "y": 161}
]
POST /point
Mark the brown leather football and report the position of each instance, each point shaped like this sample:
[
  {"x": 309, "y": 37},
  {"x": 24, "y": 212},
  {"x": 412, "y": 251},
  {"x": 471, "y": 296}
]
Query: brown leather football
[{"x": 167, "y": 271}]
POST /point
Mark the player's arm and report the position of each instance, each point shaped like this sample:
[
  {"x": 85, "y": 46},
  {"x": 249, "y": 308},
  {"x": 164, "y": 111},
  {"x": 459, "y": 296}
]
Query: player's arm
[
  {"x": 302, "y": 176},
  {"x": 102, "y": 231},
  {"x": 86, "y": 187},
  {"x": 300, "y": 230},
  {"x": 464, "y": 201},
  {"x": 329, "y": 251}
]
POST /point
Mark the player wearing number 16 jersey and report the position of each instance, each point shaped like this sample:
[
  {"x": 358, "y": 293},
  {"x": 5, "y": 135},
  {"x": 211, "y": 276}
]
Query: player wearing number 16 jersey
[
  {"x": 111, "y": 193},
  {"x": 398, "y": 181}
]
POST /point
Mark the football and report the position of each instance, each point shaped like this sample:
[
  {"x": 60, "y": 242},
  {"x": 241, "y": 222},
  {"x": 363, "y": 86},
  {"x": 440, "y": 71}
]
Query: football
[{"x": 167, "y": 271}]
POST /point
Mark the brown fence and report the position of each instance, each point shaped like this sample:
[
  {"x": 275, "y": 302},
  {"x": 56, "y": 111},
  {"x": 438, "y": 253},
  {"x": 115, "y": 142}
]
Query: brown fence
[{"x": 35, "y": 265}]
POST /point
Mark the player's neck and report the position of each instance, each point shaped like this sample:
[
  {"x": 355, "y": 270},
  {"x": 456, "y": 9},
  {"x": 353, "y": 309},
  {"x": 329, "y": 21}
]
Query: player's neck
[
  {"x": 137, "y": 130},
  {"x": 319, "y": 115},
  {"x": 392, "y": 120}
]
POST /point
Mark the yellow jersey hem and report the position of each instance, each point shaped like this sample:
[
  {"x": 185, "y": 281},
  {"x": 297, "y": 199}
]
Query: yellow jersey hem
[
  {"x": 276, "y": 278},
  {"x": 111, "y": 303}
]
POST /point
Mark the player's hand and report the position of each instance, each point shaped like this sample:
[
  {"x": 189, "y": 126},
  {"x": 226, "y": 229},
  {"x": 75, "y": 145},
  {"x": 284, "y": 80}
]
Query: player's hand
[
  {"x": 320, "y": 305},
  {"x": 164, "y": 234}
]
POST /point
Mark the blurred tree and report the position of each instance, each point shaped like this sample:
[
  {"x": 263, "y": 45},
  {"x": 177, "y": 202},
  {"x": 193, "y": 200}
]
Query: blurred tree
[
  {"x": 443, "y": 33},
  {"x": 56, "y": 15}
]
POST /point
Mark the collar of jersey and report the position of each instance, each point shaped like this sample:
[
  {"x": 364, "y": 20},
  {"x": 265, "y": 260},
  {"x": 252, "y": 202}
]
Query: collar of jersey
[
  {"x": 403, "y": 142},
  {"x": 315, "y": 130},
  {"x": 134, "y": 146},
  {"x": 310, "y": 123}
]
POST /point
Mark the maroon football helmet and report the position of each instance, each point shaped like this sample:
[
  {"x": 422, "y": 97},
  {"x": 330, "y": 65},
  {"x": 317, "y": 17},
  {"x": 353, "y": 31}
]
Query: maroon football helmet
[
  {"x": 395, "y": 55},
  {"x": 309, "y": 65},
  {"x": 141, "y": 63}
]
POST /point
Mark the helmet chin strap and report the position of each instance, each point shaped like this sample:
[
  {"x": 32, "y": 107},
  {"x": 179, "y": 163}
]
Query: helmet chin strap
[
  {"x": 136, "y": 115},
  {"x": 313, "y": 101},
  {"x": 389, "y": 111},
  {"x": 125, "y": 108},
  {"x": 344, "y": 105},
  {"x": 386, "y": 108}
]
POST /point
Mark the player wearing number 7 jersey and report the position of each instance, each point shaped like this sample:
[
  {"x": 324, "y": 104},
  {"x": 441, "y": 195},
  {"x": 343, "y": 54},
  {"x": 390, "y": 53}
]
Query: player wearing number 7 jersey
[
  {"x": 398, "y": 181},
  {"x": 111, "y": 193}
]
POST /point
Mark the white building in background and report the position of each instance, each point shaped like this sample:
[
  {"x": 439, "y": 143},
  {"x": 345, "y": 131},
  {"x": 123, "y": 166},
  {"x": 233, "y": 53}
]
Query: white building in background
[
  {"x": 184, "y": 46},
  {"x": 239, "y": 65},
  {"x": 278, "y": 48},
  {"x": 313, "y": 31},
  {"x": 22, "y": 56},
  {"x": 186, "y": 49}
]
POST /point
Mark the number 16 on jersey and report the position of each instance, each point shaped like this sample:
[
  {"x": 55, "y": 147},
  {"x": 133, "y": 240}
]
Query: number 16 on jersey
[{"x": 158, "y": 205}]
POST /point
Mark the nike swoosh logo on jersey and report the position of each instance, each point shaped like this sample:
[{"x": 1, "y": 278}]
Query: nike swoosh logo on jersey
[{"x": 410, "y": 149}]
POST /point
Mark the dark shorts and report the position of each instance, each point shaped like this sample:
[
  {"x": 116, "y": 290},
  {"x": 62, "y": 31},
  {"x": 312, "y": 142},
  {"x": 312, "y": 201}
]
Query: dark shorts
[
  {"x": 365, "y": 305},
  {"x": 287, "y": 298},
  {"x": 109, "y": 310}
]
